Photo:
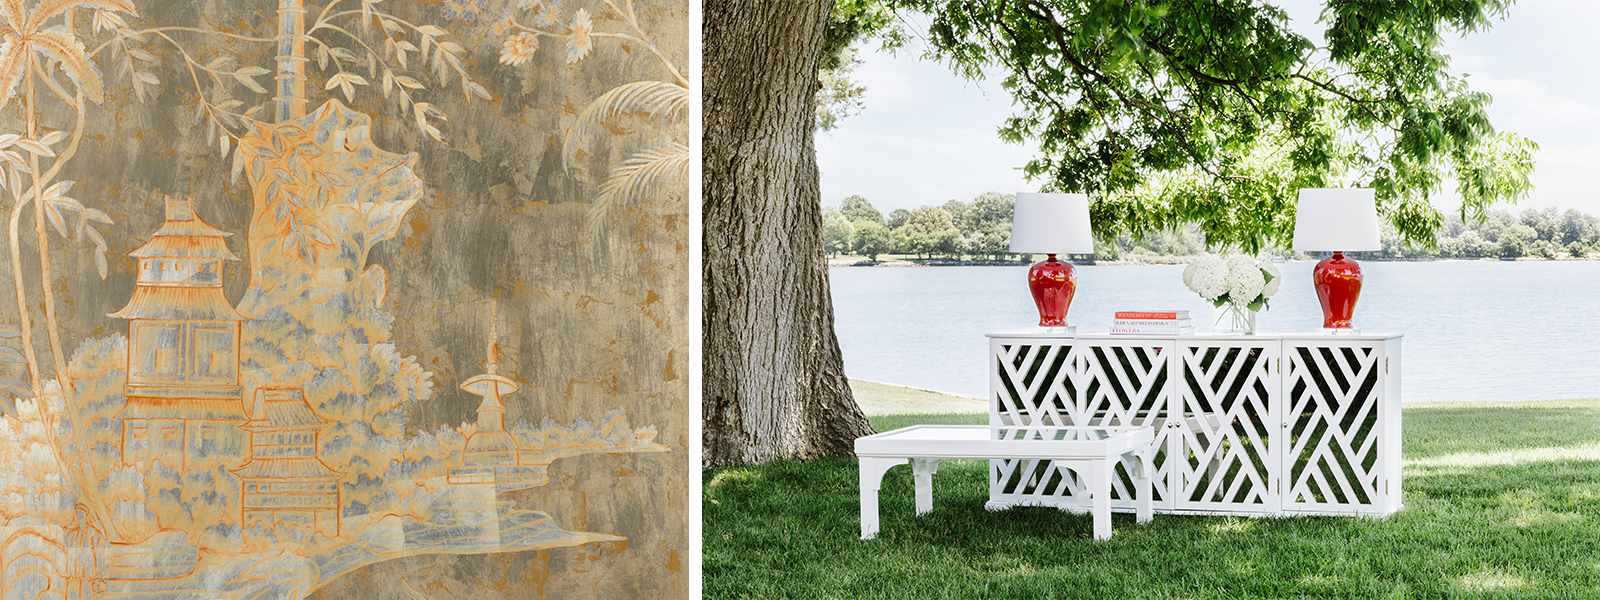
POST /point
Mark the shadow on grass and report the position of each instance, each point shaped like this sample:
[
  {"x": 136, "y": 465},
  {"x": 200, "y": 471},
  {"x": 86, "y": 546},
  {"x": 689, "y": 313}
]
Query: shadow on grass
[
  {"x": 791, "y": 530},
  {"x": 1487, "y": 529}
]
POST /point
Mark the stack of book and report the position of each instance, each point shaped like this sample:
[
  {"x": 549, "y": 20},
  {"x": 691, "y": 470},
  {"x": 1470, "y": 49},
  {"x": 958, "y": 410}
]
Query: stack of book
[{"x": 1156, "y": 322}]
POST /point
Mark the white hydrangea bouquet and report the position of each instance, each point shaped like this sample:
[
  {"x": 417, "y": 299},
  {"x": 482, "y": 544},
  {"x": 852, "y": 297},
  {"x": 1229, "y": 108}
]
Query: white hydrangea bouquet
[{"x": 1237, "y": 285}]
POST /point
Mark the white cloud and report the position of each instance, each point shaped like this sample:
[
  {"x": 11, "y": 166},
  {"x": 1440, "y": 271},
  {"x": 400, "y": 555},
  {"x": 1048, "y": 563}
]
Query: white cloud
[{"x": 872, "y": 144}]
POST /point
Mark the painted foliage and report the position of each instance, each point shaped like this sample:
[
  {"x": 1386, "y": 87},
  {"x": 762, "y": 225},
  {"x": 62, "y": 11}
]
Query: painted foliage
[{"x": 352, "y": 298}]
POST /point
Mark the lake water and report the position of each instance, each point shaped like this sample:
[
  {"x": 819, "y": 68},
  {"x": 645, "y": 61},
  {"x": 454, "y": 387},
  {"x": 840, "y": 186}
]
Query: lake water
[{"x": 1474, "y": 330}]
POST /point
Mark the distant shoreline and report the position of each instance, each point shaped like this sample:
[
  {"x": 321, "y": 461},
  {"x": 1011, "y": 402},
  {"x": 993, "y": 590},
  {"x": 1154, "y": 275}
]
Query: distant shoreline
[{"x": 1124, "y": 263}]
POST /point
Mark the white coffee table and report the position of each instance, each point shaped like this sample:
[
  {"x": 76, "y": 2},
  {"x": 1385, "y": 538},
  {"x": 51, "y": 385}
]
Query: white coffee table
[{"x": 1092, "y": 452}]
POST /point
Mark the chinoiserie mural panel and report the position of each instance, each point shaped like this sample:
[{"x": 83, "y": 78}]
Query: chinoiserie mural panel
[{"x": 344, "y": 298}]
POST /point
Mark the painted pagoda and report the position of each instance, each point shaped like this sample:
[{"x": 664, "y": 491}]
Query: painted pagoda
[
  {"x": 184, "y": 402},
  {"x": 491, "y": 454},
  {"x": 285, "y": 480}
]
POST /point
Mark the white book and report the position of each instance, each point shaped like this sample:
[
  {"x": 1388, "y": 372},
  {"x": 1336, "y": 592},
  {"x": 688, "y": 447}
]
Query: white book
[{"x": 1128, "y": 330}]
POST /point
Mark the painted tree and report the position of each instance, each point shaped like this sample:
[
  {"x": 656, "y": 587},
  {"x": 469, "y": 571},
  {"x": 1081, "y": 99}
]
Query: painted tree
[
  {"x": 656, "y": 165},
  {"x": 323, "y": 195},
  {"x": 1167, "y": 113},
  {"x": 35, "y": 40}
]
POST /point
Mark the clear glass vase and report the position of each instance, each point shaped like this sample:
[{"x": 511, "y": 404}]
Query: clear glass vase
[{"x": 1233, "y": 318}]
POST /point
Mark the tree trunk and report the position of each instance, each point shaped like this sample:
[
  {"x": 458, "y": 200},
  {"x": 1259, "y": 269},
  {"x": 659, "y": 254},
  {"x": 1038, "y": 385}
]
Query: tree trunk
[{"x": 773, "y": 380}]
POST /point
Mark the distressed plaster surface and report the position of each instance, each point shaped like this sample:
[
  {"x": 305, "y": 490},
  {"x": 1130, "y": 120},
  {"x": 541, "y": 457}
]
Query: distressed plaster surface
[{"x": 587, "y": 324}]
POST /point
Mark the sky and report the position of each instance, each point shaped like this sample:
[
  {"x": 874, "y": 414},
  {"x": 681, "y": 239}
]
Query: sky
[{"x": 927, "y": 136}]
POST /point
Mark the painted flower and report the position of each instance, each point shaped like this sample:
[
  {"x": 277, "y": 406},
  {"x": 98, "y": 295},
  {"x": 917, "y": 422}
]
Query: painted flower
[
  {"x": 502, "y": 25},
  {"x": 1207, "y": 277},
  {"x": 464, "y": 9},
  {"x": 578, "y": 42},
  {"x": 530, "y": 4},
  {"x": 549, "y": 14},
  {"x": 519, "y": 49}
]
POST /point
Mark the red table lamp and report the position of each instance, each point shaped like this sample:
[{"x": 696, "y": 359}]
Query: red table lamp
[
  {"x": 1052, "y": 224},
  {"x": 1338, "y": 220}
]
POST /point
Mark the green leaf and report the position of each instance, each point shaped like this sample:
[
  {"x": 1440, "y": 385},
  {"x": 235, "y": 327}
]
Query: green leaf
[{"x": 1212, "y": 113}]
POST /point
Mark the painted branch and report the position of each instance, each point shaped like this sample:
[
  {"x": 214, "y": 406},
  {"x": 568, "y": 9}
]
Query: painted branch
[
  {"x": 40, "y": 229},
  {"x": 80, "y": 479},
  {"x": 23, "y": 322}
]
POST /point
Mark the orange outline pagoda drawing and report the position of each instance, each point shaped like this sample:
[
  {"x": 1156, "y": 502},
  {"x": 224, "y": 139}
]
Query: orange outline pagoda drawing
[
  {"x": 184, "y": 398},
  {"x": 491, "y": 454},
  {"x": 285, "y": 480}
]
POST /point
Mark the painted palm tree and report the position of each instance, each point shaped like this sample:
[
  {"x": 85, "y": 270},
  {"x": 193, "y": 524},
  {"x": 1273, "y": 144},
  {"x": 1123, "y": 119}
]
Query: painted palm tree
[
  {"x": 27, "y": 36},
  {"x": 655, "y": 164},
  {"x": 32, "y": 41}
]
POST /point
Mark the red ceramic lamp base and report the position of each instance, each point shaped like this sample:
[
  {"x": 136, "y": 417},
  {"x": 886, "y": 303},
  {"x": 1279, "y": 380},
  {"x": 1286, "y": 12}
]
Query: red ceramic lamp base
[
  {"x": 1338, "y": 284},
  {"x": 1052, "y": 282}
]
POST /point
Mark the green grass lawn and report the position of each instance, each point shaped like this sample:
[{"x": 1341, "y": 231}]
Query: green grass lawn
[{"x": 1502, "y": 501}]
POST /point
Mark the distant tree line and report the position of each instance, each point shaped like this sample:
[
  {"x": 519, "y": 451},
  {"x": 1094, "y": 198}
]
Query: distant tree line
[
  {"x": 1538, "y": 233},
  {"x": 954, "y": 230},
  {"x": 981, "y": 229}
]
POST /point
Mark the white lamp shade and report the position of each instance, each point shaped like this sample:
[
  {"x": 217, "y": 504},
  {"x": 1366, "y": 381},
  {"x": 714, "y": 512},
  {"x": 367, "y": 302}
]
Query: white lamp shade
[
  {"x": 1051, "y": 224},
  {"x": 1336, "y": 219}
]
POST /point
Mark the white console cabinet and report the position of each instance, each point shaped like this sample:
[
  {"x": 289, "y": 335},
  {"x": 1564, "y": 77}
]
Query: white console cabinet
[{"x": 1303, "y": 424}]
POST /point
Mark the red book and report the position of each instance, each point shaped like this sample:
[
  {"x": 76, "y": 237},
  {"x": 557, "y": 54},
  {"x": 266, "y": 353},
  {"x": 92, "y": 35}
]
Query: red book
[{"x": 1169, "y": 314}]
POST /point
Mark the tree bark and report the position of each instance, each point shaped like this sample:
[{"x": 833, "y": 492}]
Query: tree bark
[{"x": 773, "y": 379}]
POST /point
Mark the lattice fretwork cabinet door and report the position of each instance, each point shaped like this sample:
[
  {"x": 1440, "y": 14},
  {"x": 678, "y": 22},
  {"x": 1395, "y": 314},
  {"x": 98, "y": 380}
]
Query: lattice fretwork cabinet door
[
  {"x": 1228, "y": 443},
  {"x": 1084, "y": 381},
  {"x": 1342, "y": 417}
]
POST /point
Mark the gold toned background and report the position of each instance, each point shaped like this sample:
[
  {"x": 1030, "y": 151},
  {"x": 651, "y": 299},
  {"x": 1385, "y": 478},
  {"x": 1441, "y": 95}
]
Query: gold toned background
[{"x": 587, "y": 325}]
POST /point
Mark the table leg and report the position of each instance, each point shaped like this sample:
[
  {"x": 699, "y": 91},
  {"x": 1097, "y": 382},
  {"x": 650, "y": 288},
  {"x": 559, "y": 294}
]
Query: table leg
[
  {"x": 871, "y": 472},
  {"x": 1145, "y": 472},
  {"x": 1100, "y": 489},
  {"x": 922, "y": 470}
]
